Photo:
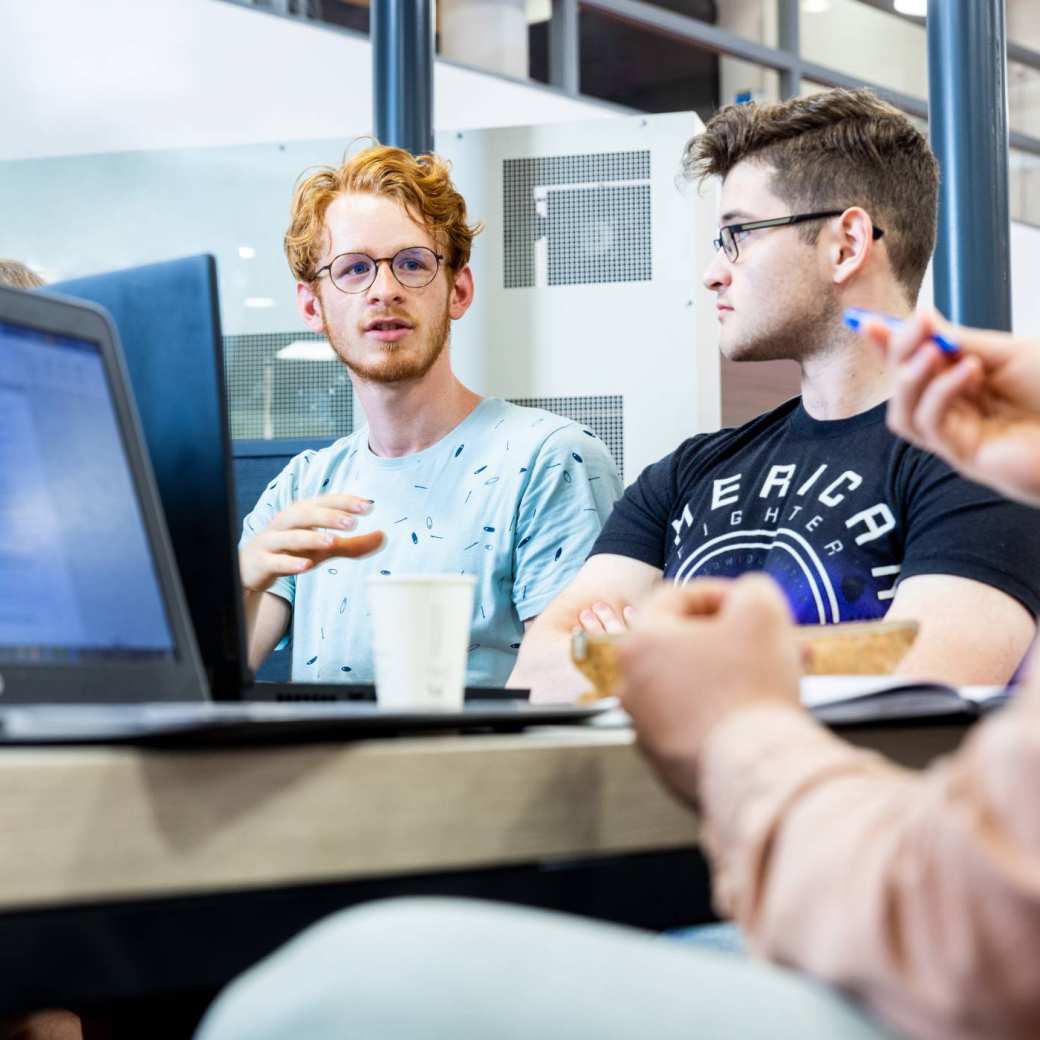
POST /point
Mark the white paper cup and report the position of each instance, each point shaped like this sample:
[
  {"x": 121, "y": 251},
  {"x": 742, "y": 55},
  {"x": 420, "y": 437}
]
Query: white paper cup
[{"x": 420, "y": 638}]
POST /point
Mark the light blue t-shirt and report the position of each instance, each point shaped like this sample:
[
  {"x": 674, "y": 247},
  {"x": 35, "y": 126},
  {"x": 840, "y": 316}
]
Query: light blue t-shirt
[{"x": 515, "y": 496}]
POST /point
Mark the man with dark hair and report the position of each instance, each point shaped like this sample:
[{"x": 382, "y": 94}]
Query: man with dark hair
[{"x": 827, "y": 202}]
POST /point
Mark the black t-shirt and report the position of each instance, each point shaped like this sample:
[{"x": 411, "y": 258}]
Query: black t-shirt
[{"x": 838, "y": 512}]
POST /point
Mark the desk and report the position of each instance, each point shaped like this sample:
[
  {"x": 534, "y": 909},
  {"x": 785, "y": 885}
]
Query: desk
[{"x": 128, "y": 872}]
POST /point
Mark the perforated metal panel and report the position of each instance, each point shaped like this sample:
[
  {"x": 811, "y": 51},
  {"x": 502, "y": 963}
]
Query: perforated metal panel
[
  {"x": 270, "y": 397},
  {"x": 603, "y": 414},
  {"x": 599, "y": 235},
  {"x": 577, "y": 219}
]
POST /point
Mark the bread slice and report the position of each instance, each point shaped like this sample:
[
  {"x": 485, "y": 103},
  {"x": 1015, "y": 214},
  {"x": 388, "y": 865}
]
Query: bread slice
[
  {"x": 856, "y": 647},
  {"x": 849, "y": 648}
]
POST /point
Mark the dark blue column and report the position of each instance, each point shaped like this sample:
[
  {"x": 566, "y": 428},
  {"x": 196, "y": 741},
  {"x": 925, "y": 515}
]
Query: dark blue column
[
  {"x": 968, "y": 117},
  {"x": 402, "y": 73}
]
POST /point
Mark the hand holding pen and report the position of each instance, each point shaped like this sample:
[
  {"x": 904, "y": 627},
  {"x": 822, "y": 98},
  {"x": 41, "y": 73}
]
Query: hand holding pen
[{"x": 970, "y": 396}]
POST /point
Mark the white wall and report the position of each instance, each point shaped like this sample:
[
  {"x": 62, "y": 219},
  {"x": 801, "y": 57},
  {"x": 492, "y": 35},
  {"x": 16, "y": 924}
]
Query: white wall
[{"x": 114, "y": 75}]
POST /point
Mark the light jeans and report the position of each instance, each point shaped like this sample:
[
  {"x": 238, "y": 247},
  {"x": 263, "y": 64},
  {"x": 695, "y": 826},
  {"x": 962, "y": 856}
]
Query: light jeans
[{"x": 462, "y": 970}]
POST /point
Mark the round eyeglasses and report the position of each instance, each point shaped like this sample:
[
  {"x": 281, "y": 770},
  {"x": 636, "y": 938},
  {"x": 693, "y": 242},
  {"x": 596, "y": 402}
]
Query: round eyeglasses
[{"x": 414, "y": 268}]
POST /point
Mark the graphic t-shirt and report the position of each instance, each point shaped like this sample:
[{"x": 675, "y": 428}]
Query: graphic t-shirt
[
  {"x": 515, "y": 496},
  {"x": 838, "y": 512}
]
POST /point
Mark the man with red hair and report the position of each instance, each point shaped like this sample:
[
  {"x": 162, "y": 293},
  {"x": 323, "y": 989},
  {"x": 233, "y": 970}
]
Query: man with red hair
[{"x": 440, "y": 479}]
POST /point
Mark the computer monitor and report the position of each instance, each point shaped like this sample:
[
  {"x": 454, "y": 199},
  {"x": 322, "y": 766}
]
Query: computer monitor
[
  {"x": 91, "y": 608},
  {"x": 168, "y": 319}
]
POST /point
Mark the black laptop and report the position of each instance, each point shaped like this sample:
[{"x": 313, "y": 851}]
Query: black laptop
[
  {"x": 168, "y": 321},
  {"x": 96, "y": 644},
  {"x": 91, "y": 607}
]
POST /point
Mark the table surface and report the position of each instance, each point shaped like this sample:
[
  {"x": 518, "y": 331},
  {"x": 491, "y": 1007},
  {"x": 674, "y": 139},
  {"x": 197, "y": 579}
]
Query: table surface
[
  {"x": 95, "y": 824},
  {"x": 135, "y": 875}
]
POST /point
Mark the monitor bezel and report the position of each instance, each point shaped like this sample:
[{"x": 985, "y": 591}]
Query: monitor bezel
[{"x": 178, "y": 677}]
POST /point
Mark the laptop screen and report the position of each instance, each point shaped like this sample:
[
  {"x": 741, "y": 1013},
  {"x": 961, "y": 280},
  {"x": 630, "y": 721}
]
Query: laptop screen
[
  {"x": 168, "y": 319},
  {"x": 77, "y": 574}
]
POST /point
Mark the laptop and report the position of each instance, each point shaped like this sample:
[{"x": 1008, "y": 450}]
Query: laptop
[
  {"x": 169, "y": 329},
  {"x": 96, "y": 643},
  {"x": 91, "y": 607}
]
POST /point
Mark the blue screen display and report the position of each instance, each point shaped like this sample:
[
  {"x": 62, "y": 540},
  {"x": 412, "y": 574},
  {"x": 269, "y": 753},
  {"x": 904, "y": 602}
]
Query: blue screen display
[{"x": 77, "y": 574}]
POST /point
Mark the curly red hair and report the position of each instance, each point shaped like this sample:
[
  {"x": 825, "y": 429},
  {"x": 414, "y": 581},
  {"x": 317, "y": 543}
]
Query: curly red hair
[{"x": 420, "y": 183}]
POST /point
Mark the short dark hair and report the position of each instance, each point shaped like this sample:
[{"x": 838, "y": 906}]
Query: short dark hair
[{"x": 831, "y": 150}]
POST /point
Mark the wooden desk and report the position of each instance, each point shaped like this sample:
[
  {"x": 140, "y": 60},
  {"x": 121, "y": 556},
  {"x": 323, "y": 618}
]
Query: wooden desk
[
  {"x": 128, "y": 872},
  {"x": 121, "y": 823}
]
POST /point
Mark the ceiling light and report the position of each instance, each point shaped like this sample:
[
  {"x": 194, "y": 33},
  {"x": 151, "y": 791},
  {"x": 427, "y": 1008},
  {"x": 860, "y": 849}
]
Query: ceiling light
[
  {"x": 259, "y": 301},
  {"x": 816, "y": 6},
  {"x": 246, "y": 252},
  {"x": 307, "y": 350},
  {"x": 918, "y": 8}
]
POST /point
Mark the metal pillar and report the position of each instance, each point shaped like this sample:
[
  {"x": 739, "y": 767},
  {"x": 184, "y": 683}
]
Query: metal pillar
[
  {"x": 789, "y": 38},
  {"x": 564, "y": 54},
  {"x": 968, "y": 115},
  {"x": 402, "y": 73}
]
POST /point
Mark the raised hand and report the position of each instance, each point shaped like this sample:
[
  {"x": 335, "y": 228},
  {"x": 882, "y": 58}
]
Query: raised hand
[
  {"x": 978, "y": 409},
  {"x": 304, "y": 535}
]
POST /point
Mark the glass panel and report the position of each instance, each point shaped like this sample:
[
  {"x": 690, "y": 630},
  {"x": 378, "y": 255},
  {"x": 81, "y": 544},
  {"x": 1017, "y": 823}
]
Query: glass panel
[
  {"x": 1024, "y": 99},
  {"x": 488, "y": 34},
  {"x": 889, "y": 50},
  {"x": 811, "y": 87},
  {"x": 1023, "y": 23},
  {"x": 348, "y": 14},
  {"x": 538, "y": 14},
  {"x": 750, "y": 19},
  {"x": 661, "y": 73},
  {"x": 741, "y": 81},
  {"x": 1024, "y": 180},
  {"x": 116, "y": 210},
  {"x": 754, "y": 20}
]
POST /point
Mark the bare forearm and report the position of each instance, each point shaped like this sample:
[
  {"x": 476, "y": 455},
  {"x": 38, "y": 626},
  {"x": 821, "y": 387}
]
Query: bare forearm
[
  {"x": 250, "y": 612},
  {"x": 267, "y": 619},
  {"x": 952, "y": 646},
  {"x": 544, "y": 665}
]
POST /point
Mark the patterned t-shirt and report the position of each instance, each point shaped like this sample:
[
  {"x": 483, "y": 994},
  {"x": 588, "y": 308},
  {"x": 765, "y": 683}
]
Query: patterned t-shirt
[
  {"x": 838, "y": 512},
  {"x": 515, "y": 496}
]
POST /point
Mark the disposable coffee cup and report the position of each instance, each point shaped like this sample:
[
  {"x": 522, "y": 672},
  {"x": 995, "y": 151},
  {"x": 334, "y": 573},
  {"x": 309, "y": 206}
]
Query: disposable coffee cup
[{"x": 420, "y": 638}]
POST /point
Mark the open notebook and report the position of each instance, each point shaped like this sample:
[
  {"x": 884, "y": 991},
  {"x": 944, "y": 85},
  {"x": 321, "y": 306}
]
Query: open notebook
[
  {"x": 864, "y": 699},
  {"x": 849, "y": 699}
]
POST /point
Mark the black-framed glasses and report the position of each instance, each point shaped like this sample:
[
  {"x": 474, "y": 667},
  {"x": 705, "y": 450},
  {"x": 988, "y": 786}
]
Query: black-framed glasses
[
  {"x": 731, "y": 235},
  {"x": 413, "y": 267}
]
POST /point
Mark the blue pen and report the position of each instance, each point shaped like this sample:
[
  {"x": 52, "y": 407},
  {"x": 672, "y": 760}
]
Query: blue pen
[{"x": 854, "y": 317}]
